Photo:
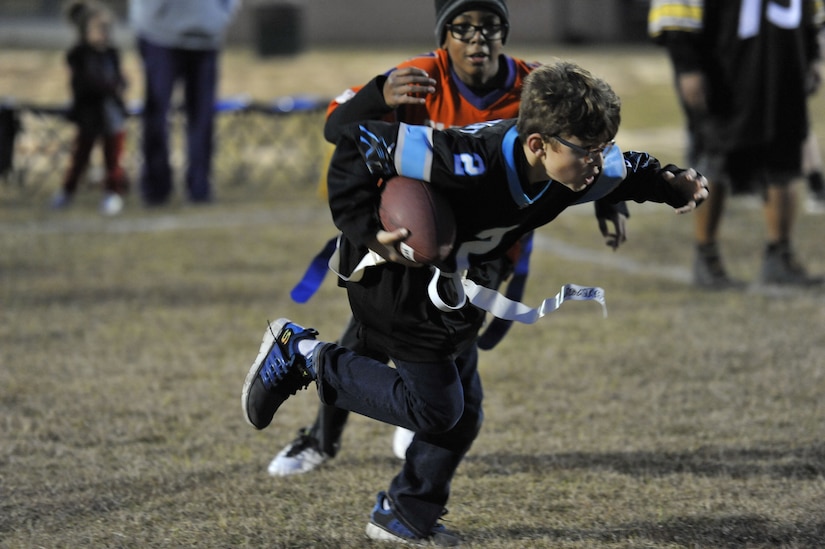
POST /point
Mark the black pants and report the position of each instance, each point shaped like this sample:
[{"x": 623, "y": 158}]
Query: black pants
[{"x": 330, "y": 421}]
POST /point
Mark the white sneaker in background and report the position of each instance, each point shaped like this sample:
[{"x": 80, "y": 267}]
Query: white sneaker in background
[
  {"x": 112, "y": 204},
  {"x": 401, "y": 441},
  {"x": 815, "y": 203},
  {"x": 302, "y": 455}
]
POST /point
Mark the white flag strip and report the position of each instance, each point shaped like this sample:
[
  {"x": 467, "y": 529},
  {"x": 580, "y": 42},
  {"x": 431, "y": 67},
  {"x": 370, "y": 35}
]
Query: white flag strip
[
  {"x": 502, "y": 307},
  {"x": 484, "y": 298}
]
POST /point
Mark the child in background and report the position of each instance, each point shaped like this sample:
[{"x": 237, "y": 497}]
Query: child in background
[{"x": 97, "y": 107}]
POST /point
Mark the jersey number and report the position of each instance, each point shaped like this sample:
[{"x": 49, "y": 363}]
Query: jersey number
[
  {"x": 468, "y": 164},
  {"x": 484, "y": 242},
  {"x": 750, "y": 16}
]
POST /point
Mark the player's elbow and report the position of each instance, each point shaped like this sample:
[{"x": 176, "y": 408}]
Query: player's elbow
[
  {"x": 333, "y": 128},
  {"x": 332, "y": 133}
]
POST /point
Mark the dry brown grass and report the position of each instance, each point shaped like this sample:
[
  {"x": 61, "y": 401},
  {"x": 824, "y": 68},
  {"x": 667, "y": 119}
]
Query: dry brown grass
[{"x": 685, "y": 419}]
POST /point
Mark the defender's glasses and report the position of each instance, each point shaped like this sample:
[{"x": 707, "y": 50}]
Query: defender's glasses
[
  {"x": 589, "y": 154},
  {"x": 465, "y": 31}
]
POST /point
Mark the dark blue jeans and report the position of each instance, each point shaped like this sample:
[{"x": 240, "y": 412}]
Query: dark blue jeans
[
  {"x": 439, "y": 401},
  {"x": 163, "y": 68}
]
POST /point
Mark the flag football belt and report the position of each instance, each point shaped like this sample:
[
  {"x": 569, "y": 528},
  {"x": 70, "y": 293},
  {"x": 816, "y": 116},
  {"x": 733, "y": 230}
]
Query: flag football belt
[
  {"x": 496, "y": 329},
  {"x": 487, "y": 299}
]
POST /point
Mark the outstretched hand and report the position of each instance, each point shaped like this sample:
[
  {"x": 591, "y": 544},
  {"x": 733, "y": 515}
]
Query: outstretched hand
[
  {"x": 692, "y": 186},
  {"x": 403, "y": 86}
]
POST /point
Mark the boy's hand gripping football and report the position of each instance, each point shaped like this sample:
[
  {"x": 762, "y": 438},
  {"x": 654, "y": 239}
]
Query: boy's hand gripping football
[{"x": 385, "y": 246}]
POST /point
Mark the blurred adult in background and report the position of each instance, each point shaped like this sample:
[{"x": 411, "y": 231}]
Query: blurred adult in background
[
  {"x": 743, "y": 73},
  {"x": 179, "y": 40},
  {"x": 97, "y": 107}
]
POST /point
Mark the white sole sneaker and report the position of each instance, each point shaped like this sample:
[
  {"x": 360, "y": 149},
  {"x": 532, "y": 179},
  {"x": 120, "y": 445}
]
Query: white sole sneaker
[
  {"x": 401, "y": 440},
  {"x": 111, "y": 205},
  {"x": 298, "y": 457}
]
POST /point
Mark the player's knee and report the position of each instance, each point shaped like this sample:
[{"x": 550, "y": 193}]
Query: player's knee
[
  {"x": 463, "y": 433},
  {"x": 440, "y": 416}
]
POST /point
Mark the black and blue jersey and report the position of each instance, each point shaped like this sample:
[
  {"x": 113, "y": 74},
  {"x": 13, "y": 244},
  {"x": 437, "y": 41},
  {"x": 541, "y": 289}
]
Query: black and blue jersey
[{"x": 481, "y": 170}]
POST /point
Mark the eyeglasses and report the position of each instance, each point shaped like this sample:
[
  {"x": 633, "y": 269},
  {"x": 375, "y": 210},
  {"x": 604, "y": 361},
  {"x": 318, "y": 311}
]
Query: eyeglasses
[
  {"x": 465, "y": 31},
  {"x": 589, "y": 154}
]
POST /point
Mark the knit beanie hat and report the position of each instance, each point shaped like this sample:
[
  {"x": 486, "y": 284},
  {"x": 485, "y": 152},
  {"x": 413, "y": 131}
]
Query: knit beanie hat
[{"x": 447, "y": 10}]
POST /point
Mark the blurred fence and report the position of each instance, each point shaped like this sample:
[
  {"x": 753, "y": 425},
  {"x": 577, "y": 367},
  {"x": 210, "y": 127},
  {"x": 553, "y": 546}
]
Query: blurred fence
[{"x": 256, "y": 143}]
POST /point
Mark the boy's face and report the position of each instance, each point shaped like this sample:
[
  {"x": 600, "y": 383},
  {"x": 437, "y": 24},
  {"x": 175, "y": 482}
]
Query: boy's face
[
  {"x": 474, "y": 51},
  {"x": 572, "y": 163}
]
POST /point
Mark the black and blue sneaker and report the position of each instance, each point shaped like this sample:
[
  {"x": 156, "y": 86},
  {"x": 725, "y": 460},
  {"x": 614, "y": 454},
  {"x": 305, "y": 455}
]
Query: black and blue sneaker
[
  {"x": 385, "y": 525},
  {"x": 278, "y": 372}
]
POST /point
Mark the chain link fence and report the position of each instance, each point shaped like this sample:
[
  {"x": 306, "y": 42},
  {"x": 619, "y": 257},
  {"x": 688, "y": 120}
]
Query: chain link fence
[{"x": 256, "y": 143}]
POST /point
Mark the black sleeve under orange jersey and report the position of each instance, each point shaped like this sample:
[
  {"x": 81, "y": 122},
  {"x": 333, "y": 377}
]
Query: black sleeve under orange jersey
[
  {"x": 367, "y": 102},
  {"x": 356, "y": 104}
]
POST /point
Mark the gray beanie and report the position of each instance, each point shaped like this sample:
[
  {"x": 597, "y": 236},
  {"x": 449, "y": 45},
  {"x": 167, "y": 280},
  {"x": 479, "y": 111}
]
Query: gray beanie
[{"x": 446, "y": 10}]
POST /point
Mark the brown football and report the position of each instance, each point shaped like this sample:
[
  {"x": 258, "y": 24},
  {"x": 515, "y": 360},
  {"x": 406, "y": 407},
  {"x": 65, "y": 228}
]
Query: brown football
[{"x": 413, "y": 204}]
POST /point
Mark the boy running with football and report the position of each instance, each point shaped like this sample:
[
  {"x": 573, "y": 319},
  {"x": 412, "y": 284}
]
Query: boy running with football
[
  {"x": 526, "y": 171},
  {"x": 468, "y": 79}
]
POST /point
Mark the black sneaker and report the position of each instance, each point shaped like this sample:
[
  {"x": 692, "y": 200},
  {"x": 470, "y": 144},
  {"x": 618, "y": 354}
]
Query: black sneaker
[
  {"x": 709, "y": 271},
  {"x": 781, "y": 266},
  {"x": 302, "y": 455},
  {"x": 278, "y": 372},
  {"x": 384, "y": 525}
]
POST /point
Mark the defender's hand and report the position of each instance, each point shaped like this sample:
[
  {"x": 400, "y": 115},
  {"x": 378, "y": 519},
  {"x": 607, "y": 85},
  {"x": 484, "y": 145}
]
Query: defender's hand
[
  {"x": 619, "y": 235},
  {"x": 403, "y": 85}
]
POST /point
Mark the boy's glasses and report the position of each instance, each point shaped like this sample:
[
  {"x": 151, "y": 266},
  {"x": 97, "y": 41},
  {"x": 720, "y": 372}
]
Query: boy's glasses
[
  {"x": 589, "y": 154},
  {"x": 465, "y": 31}
]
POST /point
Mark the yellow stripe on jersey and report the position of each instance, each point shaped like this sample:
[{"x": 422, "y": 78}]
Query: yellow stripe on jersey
[{"x": 683, "y": 16}]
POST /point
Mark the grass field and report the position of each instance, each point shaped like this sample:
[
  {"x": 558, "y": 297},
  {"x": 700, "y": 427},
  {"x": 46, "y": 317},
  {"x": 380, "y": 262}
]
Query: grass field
[{"x": 683, "y": 420}]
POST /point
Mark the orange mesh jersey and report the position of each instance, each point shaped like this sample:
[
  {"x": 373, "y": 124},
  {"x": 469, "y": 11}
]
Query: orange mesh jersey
[{"x": 453, "y": 103}]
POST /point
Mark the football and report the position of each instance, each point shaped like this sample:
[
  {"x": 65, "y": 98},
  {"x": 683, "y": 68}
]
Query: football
[{"x": 413, "y": 204}]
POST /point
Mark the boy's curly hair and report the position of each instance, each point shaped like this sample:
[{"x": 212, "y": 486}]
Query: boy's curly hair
[{"x": 565, "y": 99}]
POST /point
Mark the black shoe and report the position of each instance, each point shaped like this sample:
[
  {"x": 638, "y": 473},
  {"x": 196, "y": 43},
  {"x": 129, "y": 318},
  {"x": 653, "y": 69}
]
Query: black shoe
[
  {"x": 709, "y": 271},
  {"x": 781, "y": 266},
  {"x": 278, "y": 372}
]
